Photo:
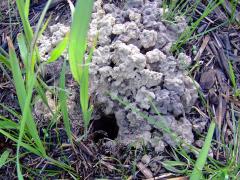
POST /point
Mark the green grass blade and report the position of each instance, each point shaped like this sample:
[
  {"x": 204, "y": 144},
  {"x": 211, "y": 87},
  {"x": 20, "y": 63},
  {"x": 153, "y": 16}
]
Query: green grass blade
[
  {"x": 78, "y": 36},
  {"x": 84, "y": 97},
  {"x": 38, "y": 30},
  {"x": 41, "y": 92},
  {"x": 4, "y": 158},
  {"x": 26, "y": 112},
  {"x": 26, "y": 25},
  {"x": 7, "y": 123},
  {"x": 33, "y": 54},
  {"x": 232, "y": 75},
  {"x": 17, "y": 75},
  {"x": 23, "y": 48},
  {"x": 22, "y": 94},
  {"x": 3, "y": 52},
  {"x": 63, "y": 103},
  {"x": 10, "y": 110},
  {"x": 57, "y": 52},
  {"x": 189, "y": 30},
  {"x": 26, "y": 7},
  {"x": 45, "y": 25},
  {"x": 175, "y": 166},
  {"x": 84, "y": 86},
  {"x": 197, "y": 171},
  {"x": 26, "y": 146},
  {"x": 5, "y": 61}
]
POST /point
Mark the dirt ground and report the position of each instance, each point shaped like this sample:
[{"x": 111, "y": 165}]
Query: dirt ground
[{"x": 100, "y": 156}]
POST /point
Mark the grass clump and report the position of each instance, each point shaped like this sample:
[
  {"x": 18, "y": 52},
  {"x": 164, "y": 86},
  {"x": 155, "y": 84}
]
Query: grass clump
[
  {"x": 27, "y": 80},
  {"x": 79, "y": 64}
]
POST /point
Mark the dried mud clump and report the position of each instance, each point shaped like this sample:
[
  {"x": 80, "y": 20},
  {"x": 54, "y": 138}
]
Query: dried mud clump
[{"x": 133, "y": 61}]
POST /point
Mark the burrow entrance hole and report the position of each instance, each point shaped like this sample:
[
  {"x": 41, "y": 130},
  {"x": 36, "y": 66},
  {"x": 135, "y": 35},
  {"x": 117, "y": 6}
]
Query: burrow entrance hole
[{"x": 105, "y": 127}]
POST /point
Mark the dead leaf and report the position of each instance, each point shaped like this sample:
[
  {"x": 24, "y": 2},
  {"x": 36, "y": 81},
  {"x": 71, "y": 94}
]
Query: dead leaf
[
  {"x": 146, "y": 172},
  {"x": 207, "y": 79}
]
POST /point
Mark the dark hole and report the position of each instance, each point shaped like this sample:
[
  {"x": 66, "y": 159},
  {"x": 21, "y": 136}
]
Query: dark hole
[
  {"x": 111, "y": 50},
  {"x": 126, "y": 19},
  {"x": 112, "y": 37},
  {"x": 145, "y": 50},
  {"x": 112, "y": 64},
  {"x": 105, "y": 127},
  {"x": 47, "y": 77}
]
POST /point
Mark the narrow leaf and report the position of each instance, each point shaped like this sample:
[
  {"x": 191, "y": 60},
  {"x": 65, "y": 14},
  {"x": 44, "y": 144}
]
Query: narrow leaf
[
  {"x": 24, "y": 19},
  {"x": 23, "y": 48},
  {"x": 26, "y": 146},
  {"x": 26, "y": 7},
  {"x": 7, "y": 123},
  {"x": 197, "y": 171},
  {"x": 4, "y": 158},
  {"x": 57, "y": 52},
  {"x": 63, "y": 103},
  {"x": 4, "y": 61},
  {"x": 26, "y": 112}
]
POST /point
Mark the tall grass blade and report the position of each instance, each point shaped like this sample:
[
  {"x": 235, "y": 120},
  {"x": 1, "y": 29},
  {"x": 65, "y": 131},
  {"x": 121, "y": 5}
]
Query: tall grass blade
[
  {"x": 77, "y": 48},
  {"x": 84, "y": 94},
  {"x": 33, "y": 54},
  {"x": 26, "y": 112},
  {"x": 26, "y": 7},
  {"x": 22, "y": 94},
  {"x": 24, "y": 19},
  {"x": 17, "y": 75},
  {"x": 45, "y": 25},
  {"x": 23, "y": 48},
  {"x": 63, "y": 103},
  {"x": 78, "y": 36},
  {"x": 38, "y": 30},
  {"x": 197, "y": 171}
]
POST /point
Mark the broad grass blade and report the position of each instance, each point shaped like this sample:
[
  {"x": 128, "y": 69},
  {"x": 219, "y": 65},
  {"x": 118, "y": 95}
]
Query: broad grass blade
[{"x": 78, "y": 36}]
